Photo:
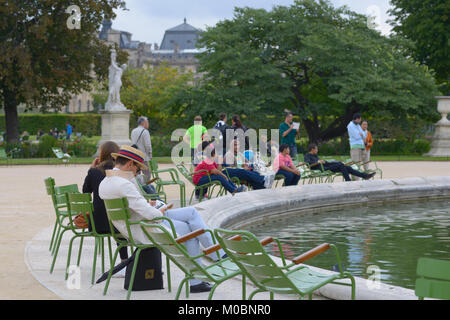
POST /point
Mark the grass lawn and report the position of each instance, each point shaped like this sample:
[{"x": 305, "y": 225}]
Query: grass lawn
[{"x": 162, "y": 160}]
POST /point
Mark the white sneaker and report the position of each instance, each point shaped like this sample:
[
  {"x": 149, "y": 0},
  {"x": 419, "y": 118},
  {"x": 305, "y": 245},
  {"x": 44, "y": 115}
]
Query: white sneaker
[{"x": 120, "y": 274}]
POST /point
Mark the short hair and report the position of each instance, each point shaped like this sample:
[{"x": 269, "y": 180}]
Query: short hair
[
  {"x": 311, "y": 146},
  {"x": 357, "y": 116},
  {"x": 222, "y": 116},
  {"x": 198, "y": 118},
  {"x": 283, "y": 147},
  {"x": 142, "y": 120},
  {"x": 365, "y": 121},
  {"x": 289, "y": 113},
  {"x": 122, "y": 161}
]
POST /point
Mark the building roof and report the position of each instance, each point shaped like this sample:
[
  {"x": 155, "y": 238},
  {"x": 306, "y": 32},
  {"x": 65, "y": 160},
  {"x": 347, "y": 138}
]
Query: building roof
[{"x": 184, "y": 36}]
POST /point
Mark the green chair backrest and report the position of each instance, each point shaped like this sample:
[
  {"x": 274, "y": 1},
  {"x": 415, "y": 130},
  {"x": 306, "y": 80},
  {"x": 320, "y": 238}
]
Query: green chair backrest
[
  {"x": 60, "y": 194},
  {"x": 176, "y": 252},
  {"x": 50, "y": 186},
  {"x": 154, "y": 167},
  {"x": 434, "y": 279},
  {"x": 185, "y": 172},
  {"x": 117, "y": 210},
  {"x": 81, "y": 203},
  {"x": 250, "y": 256}
]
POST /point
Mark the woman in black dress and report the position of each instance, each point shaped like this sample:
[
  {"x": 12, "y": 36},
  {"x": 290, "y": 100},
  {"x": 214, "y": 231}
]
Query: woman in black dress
[{"x": 91, "y": 183}]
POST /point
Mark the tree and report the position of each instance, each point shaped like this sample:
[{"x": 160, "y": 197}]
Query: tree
[
  {"x": 43, "y": 62},
  {"x": 427, "y": 24},
  {"x": 148, "y": 91},
  {"x": 323, "y": 63}
]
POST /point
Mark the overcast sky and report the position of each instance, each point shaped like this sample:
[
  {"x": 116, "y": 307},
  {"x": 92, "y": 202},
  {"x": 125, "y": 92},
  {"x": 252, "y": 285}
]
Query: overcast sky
[{"x": 147, "y": 20}]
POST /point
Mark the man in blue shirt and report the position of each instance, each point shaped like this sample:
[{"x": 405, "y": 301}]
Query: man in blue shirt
[
  {"x": 288, "y": 134},
  {"x": 357, "y": 139},
  {"x": 68, "y": 131}
]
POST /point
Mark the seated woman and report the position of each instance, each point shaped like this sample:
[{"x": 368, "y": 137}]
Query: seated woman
[
  {"x": 120, "y": 182},
  {"x": 95, "y": 176},
  {"x": 236, "y": 165},
  {"x": 212, "y": 168},
  {"x": 313, "y": 160},
  {"x": 283, "y": 165}
]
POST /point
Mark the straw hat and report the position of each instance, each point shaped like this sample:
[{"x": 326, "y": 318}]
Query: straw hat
[{"x": 132, "y": 154}]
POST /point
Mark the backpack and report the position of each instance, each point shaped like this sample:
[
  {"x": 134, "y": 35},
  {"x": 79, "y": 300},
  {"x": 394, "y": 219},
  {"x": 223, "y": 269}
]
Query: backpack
[{"x": 148, "y": 271}]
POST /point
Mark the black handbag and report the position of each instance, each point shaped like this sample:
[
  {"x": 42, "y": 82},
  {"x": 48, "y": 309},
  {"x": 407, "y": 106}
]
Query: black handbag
[{"x": 148, "y": 275}]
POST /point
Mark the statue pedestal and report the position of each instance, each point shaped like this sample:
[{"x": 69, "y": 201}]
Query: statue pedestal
[
  {"x": 115, "y": 127},
  {"x": 440, "y": 146}
]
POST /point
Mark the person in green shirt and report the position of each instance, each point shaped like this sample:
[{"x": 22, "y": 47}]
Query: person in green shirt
[
  {"x": 194, "y": 136},
  {"x": 288, "y": 134}
]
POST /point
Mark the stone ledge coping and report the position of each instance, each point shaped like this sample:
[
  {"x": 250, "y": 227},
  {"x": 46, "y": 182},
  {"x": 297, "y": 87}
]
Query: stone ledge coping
[{"x": 237, "y": 211}]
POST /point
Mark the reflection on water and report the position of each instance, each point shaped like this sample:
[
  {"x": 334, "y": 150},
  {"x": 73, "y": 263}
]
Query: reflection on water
[{"x": 391, "y": 237}]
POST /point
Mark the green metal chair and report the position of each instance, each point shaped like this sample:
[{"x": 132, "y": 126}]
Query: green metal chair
[
  {"x": 64, "y": 157},
  {"x": 4, "y": 156},
  {"x": 279, "y": 178},
  {"x": 82, "y": 204},
  {"x": 249, "y": 254},
  {"x": 153, "y": 196},
  {"x": 210, "y": 186},
  {"x": 62, "y": 218},
  {"x": 434, "y": 279},
  {"x": 174, "y": 249},
  {"x": 117, "y": 210},
  {"x": 59, "y": 209},
  {"x": 174, "y": 180}
]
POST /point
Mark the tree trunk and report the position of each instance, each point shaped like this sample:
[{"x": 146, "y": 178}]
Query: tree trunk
[{"x": 11, "y": 117}]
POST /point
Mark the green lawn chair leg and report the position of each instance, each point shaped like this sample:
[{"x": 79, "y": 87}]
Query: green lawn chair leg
[
  {"x": 110, "y": 271},
  {"x": 271, "y": 295},
  {"x": 169, "y": 282},
  {"x": 310, "y": 296},
  {"x": 102, "y": 242},
  {"x": 177, "y": 296},
  {"x": 94, "y": 263},
  {"x": 79, "y": 251},
  {"x": 110, "y": 252},
  {"x": 244, "y": 287},
  {"x": 53, "y": 236},
  {"x": 211, "y": 293},
  {"x": 133, "y": 273},
  {"x": 55, "y": 255},
  {"x": 254, "y": 293},
  {"x": 69, "y": 255},
  {"x": 58, "y": 232}
]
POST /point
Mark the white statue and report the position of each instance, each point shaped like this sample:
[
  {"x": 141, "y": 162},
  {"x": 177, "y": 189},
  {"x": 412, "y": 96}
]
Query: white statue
[{"x": 115, "y": 84}]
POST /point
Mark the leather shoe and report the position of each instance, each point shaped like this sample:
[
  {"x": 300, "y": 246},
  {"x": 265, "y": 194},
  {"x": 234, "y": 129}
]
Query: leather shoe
[{"x": 201, "y": 287}]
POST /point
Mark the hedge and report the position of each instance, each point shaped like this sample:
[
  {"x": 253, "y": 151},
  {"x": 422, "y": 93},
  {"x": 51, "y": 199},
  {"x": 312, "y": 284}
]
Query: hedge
[{"x": 89, "y": 124}]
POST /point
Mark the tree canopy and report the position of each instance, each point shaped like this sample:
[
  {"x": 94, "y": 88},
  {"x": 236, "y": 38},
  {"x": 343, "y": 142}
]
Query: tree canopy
[
  {"x": 43, "y": 62},
  {"x": 427, "y": 24},
  {"x": 321, "y": 62}
]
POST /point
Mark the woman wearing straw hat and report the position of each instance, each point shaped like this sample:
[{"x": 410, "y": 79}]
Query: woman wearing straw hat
[{"x": 120, "y": 183}]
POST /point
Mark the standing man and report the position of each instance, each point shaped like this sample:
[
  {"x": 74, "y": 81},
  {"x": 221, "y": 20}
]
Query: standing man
[
  {"x": 288, "y": 134},
  {"x": 194, "y": 136},
  {"x": 140, "y": 139},
  {"x": 68, "y": 131},
  {"x": 357, "y": 139}
]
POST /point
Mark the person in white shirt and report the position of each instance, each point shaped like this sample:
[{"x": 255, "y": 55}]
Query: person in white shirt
[
  {"x": 121, "y": 183},
  {"x": 140, "y": 139}
]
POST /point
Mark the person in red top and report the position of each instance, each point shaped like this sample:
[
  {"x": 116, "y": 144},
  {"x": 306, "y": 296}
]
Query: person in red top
[
  {"x": 283, "y": 165},
  {"x": 209, "y": 166}
]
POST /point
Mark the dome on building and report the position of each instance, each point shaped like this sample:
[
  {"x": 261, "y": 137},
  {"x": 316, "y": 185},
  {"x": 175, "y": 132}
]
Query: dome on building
[{"x": 184, "y": 37}]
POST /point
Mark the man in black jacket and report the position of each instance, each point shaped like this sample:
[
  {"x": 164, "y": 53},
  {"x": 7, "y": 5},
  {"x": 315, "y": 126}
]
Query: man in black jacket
[{"x": 313, "y": 160}]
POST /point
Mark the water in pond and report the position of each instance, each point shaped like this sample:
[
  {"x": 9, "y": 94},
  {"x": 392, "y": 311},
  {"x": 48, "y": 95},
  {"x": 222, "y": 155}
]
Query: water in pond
[{"x": 391, "y": 237}]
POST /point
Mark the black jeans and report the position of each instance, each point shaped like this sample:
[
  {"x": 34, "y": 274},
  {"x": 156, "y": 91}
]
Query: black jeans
[{"x": 345, "y": 170}]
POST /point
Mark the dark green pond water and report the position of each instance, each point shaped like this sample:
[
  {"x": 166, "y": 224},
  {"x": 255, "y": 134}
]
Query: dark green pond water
[{"x": 391, "y": 237}]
